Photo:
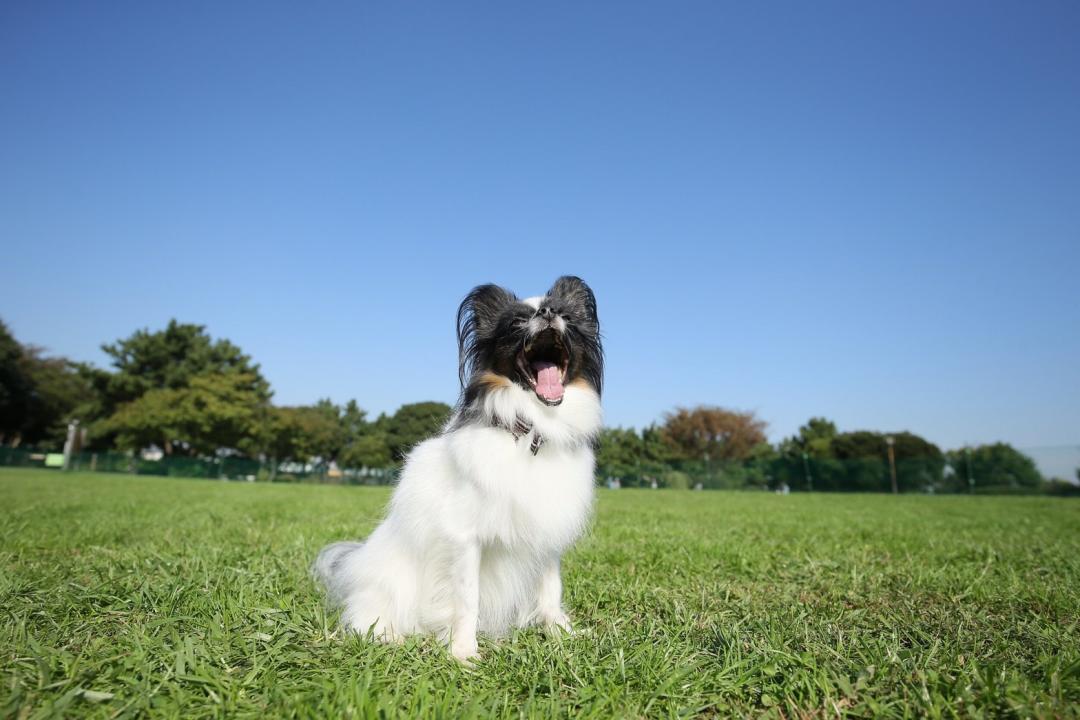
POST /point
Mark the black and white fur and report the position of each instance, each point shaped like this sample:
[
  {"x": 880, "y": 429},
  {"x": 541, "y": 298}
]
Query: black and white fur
[{"x": 485, "y": 510}]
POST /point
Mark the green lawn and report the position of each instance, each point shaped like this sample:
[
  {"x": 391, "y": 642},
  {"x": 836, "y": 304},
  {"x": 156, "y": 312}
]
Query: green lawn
[{"x": 133, "y": 596}]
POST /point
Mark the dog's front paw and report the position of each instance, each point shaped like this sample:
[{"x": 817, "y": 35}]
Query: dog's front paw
[
  {"x": 465, "y": 651},
  {"x": 557, "y": 622}
]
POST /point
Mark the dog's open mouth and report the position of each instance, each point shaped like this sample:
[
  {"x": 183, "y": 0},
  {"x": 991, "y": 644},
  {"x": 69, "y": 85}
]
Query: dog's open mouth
[{"x": 543, "y": 361}]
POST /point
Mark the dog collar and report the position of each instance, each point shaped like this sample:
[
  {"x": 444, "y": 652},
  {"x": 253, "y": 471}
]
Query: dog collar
[{"x": 520, "y": 429}]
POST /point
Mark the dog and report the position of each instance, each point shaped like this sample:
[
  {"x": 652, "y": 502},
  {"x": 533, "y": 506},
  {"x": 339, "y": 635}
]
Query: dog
[{"x": 484, "y": 511}]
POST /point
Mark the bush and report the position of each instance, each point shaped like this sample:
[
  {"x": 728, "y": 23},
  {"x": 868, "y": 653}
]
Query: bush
[
  {"x": 675, "y": 480},
  {"x": 1057, "y": 486}
]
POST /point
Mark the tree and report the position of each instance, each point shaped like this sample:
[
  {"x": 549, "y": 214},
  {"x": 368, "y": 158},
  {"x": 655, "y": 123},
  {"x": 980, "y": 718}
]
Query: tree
[
  {"x": 323, "y": 434},
  {"x": 163, "y": 379},
  {"x": 411, "y": 424},
  {"x": 861, "y": 462},
  {"x": 343, "y": 434},
  {"x": 1062, "y": 487},
  {"x": 656, "y": 447},
  {"x": 619, "y": 453},
  {"x": 15, "y": 387},
  {"x": 370, "y": 450},
  {"x": 305, "y": 432},
  {"x": 62, "y": 392},
  {"x": 717, "y": 432},
  {"x": 213, "y": 411},
  {"x": 326, "y": 431},
  {"x": 168, "y": 360},
  {"x": 354, "y": 421},
  {"x": 40, "y": 395},
  {"x": 999, "y": 466},
  {"x": 814, "y": 438}
]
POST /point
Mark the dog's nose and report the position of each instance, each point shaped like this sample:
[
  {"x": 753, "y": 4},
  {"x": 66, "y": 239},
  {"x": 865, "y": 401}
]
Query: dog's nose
[{"x": 546, "y": 313}]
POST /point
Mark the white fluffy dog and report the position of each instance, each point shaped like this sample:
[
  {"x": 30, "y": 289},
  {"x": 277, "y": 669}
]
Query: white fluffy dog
[{"x": 485, "y": 510}]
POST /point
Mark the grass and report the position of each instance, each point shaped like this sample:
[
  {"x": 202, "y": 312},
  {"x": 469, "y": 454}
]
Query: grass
[{"x": 132, "y": 596}]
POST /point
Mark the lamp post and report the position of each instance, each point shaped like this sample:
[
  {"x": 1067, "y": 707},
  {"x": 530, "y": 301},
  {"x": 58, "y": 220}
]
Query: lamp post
[{"x": 889, "y": 441}]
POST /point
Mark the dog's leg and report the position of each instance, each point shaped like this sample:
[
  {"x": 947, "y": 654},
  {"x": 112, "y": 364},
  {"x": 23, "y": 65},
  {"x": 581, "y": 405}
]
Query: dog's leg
[
  {"x": 549, "y": 611},
  {"x": 466, "y": 593}
]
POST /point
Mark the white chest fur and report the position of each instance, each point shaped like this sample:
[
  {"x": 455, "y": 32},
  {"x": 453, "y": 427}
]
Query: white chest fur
[{"x": 540, "y": 500}]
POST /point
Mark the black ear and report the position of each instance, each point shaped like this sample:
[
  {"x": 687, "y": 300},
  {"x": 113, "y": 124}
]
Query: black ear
[
  {"x": 577, "y": 296},
  {"x": 477, "y": 319}
]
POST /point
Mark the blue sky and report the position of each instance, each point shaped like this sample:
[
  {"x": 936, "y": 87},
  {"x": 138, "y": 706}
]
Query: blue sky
[{"x": 868, "y": 211}]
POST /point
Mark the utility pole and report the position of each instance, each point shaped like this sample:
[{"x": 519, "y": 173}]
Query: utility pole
[
  {"x": 892, "y": 463},
  {"x": 971, "y": 478}
]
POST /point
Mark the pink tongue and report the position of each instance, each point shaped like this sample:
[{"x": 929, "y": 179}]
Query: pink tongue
[{"x": 548, "y": 383}]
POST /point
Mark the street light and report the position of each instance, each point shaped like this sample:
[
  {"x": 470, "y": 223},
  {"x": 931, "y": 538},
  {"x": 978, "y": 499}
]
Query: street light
[{"x": 892, "y": 463}]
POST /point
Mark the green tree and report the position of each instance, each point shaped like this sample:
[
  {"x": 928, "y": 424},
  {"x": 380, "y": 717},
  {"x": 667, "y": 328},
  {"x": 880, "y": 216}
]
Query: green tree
[
  {"x": 325, "y": 432},
  {"x": 354, "y": 421},
  {"x": 1062, "y": 487},
  {"x": 168, "y": 360},
  {"x": 40, "y": 395},
  {"x": 861, "y": 463},
  {"x": 15, "y": 387},
  {"x": 62, "y": 392},
  {"x": 370, "y": 450},
  {"x": 997, "y": 467},
  {"x": 656, "y": 448},
  {"x": 305, "y": 432},
  {"x": 213, "y": 411},
  {"x": 162, "y": 379},
  {"x": 814, "y": 438},
  {"x": 411, "y": 424},
  {"x": 619, "y": 453}
]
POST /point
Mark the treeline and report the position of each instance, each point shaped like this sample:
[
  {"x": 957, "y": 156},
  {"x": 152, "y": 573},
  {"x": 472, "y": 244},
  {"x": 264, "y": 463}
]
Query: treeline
[
  {"x": 714, "y": 447},
  {"x": 180, "y": 390},
  {"x": 192, "y": 396}
]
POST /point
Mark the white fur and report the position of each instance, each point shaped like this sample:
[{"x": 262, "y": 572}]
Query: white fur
[
  {"x": 536, "y": 324},
  {"x": 476, "y": 528}
]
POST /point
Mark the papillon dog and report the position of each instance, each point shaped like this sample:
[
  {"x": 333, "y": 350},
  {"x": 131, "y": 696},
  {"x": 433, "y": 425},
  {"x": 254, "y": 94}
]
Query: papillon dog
[{"x": 484, "y": 511}]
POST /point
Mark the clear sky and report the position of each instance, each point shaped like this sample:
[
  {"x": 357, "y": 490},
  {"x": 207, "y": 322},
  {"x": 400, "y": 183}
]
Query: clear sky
[{"x": 867, "y": 211}]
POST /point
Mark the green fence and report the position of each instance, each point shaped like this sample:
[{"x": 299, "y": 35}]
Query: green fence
[
  {"x": 791, "y": 473},
  {"x": 222, "y": 468},
  {"x": 783, "y": 473},
  {"x": 869, "y": 474}
]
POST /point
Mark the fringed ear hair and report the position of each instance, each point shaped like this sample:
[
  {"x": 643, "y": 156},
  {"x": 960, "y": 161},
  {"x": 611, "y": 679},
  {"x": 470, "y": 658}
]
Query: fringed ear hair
[
  {"x": 583, "y": 331},
  {"x": 578, "y": 298},
  {"x": 477, "y": 318}
]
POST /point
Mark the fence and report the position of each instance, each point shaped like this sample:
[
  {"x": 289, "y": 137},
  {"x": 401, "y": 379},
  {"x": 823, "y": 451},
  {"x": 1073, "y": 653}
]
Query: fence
[
  {"x": 783, "y": 473},
  {"x": 1053, "y": 471},
  {"x": 223, "y": 468}
]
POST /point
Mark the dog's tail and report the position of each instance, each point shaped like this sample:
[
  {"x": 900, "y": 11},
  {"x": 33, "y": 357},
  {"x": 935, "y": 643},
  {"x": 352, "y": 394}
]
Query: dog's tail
[{"x": 329, "y": 566}]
